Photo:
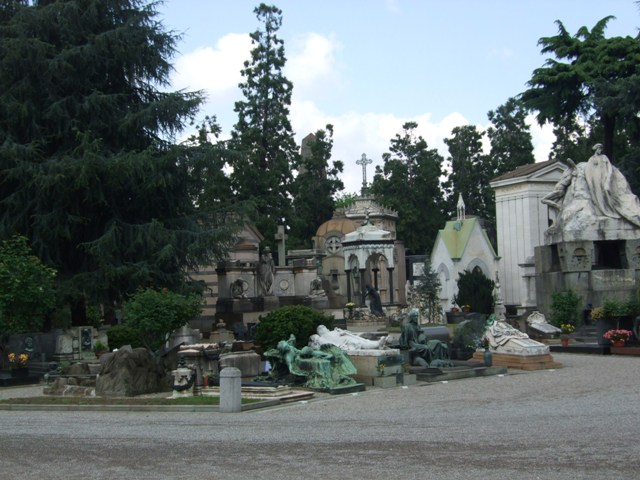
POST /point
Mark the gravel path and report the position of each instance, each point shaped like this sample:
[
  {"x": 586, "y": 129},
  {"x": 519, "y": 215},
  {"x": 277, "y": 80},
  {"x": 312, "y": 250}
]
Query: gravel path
[{"x": 580, "y": 421}]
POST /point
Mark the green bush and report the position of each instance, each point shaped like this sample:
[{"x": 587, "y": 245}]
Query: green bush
[
  {"x": 27, "y": 288},
  {"x": 121, "y": 335},
  {"x": 564, "y": 308},
  {"x": 157, "y": 313},
  {"x": 475, "y": 290},
  {"x": 282, "y": 322}
]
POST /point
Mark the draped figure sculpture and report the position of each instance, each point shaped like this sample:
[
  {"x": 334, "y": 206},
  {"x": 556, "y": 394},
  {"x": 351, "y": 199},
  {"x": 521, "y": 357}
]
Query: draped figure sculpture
[{"x": 592, "y": 192}]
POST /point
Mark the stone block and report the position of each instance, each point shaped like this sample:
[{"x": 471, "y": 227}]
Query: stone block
[
  {"x": 409, "y": 379},
  {"x": 368, "y": 362},
  {"x": 388, "y": 381}
]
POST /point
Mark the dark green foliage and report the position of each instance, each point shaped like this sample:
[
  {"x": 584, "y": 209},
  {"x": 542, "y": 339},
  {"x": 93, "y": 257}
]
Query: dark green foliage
[
  {"x": 27, "y": 288},
  {"x": 471, "y": 171},
  {"x": 427, "y": 293},
  {"x": 263, "y": 137},
  {"x": 475, "y": 290},
  {"x": 283, "y": 322},
  {"x": 409, "y": 183},
  {"x": 157, "y": 313},
  {"x": 510, "y": 139},
  {"x": 314, "y": 189},
  {"x": 88, "y": 171},
  {"x": 564, "y": 308},
  {"x": 121, "y": 335},
  {"x": 593, "y": 79}
]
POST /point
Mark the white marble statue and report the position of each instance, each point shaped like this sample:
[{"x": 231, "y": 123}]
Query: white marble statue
[
  {"x": 538, "y": 322},
  {"x": 344, "y": 339},
  {"x": 591, "y": 192},
  {"x": 503, "y": 338}
]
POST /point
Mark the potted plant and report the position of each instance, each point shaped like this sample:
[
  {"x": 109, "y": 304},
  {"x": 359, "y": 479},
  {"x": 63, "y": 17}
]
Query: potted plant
[
  {"x": 617, "y": 337},
  {"x": 18, "y": 363},
  {"x": 567, "y": 329},
  {"x": 100, "y": 348}
]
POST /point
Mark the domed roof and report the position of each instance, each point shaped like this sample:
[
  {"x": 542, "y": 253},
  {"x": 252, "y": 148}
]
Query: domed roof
[{"x": 341, "y": 225}]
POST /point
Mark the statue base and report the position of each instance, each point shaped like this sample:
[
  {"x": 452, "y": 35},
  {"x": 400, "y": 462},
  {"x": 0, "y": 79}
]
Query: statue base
[{"x": 521, "y": 362}]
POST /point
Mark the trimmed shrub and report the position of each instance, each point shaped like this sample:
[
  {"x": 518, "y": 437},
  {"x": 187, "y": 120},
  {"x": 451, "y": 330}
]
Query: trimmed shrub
[
  {"x": 281, "y": 323},
  {"x": 121, "y": 335},
  {"x": 475, "y": 290}
]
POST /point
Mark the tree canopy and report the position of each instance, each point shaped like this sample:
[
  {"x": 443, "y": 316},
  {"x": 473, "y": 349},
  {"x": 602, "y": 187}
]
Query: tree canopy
[
  {"x": 89, "y": 172},
  {"x": 263, "y": 137},
  {"x": 591, "y": 77},
  {"x": 409, "y": 182}
]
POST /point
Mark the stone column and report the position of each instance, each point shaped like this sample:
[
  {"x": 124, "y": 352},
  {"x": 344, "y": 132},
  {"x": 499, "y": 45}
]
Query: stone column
[
  {"x": 390, "y": 270},
  {"x": 363, "y": 293},
  {"x": 230, "y": 390},
  {"x": 348, "y": 273}
]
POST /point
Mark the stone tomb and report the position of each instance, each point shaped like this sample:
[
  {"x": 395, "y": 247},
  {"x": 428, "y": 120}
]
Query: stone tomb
[{"x": 380, "y": 368}]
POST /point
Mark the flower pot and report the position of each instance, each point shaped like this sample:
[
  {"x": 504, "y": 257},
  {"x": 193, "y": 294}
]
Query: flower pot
[
  {"x": 565, "y": 342},
  {"x": 618, "y": 343}
]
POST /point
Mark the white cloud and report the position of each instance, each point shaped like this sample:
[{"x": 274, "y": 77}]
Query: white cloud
[
  {"x": 542, "y": 138},
  {"x": 216, "y": 70},
  {"x": 312, "y": 59}
]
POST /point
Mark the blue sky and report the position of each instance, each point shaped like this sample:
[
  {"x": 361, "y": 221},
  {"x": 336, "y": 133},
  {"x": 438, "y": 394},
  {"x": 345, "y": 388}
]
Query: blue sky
[{"x": 368, "y": 66}]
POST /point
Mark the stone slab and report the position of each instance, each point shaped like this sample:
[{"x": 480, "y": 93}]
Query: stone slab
[
  {"x": 459, "y": 373},
  {"x": 529, "y": 362},
  {"x": 358, "y": 387}
]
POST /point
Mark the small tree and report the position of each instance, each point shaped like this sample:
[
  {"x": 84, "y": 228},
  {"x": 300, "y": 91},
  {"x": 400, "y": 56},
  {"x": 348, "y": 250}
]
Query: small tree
[
  {"x": 281, "y": 323},
  {"x": 564, "y": 308},
  {"x": 426, "y": 294},
  {"x": 475, "y": 290},
  {"x": 27, "y": 288},
  {"x": 154, "y": 314}
]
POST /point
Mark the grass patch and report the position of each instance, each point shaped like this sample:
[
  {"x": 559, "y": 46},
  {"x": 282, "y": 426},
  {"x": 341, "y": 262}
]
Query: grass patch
[{"x": 54, "y": 400}]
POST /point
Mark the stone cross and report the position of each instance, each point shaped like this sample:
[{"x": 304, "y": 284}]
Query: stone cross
[
  {"x": 364, "y": 161},
  {"x": 280, "y": 237}
]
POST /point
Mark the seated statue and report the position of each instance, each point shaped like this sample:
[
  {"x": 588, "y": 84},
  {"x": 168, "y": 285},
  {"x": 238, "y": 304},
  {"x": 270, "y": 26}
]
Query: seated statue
[
  {"x": 344, "y": 339},
  {"x": 424, "y": 352},
  {"x": 503, "y": 338},
  {"x": 321, "y": 368}
]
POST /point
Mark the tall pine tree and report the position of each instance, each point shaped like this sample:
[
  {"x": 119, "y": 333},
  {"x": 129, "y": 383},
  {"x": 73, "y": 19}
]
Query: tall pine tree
[
  {"x": 263, "y": 137},
  {"x": 88, "y": 172}
]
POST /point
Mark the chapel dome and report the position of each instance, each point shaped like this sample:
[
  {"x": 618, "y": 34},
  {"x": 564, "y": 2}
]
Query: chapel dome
[{"x": 336, "y": 225}]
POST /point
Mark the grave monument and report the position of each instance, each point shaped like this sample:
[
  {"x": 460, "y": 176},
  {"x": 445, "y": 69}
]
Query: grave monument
[{"x": 593, "y": 244}]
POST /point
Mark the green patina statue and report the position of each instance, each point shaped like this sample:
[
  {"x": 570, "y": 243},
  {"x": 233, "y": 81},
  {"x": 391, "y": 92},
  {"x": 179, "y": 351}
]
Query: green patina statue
[
  {"x": 321, "y": 368},
  {"x": 424, "y": 352}
]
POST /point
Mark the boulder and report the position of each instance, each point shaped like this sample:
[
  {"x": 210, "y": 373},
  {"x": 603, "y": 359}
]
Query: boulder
[{"x": 129, "y": 372}]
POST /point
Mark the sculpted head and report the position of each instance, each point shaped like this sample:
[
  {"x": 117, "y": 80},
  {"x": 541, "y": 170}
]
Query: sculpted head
[
  {"x": 597, "y": 148},
  {"x": 322, "y": 330},
  {"x": 413, "y": 316}
]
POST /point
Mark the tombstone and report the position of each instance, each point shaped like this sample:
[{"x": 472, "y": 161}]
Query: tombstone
[{"x": 538, "y": 323}]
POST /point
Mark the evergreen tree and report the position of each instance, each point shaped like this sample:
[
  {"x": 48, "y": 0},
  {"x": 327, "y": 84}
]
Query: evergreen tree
[
  {"x": 409, "y": 182},
  {"x": 593, "y": 76},
  {"x": 510, "y": 138},
  {"x": 315, "y": 188},
  {"x": 471, "y": 171},
  {"x": 263, "y": 137},
  {"x": 88, "y": 172}
]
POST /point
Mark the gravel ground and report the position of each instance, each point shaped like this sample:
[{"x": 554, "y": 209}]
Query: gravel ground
[{"x": 580, "y": 421}]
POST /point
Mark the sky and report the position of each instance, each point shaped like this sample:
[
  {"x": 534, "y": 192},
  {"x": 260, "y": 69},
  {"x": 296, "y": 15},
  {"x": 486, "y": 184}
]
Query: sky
[{"x": 369, "y": 66}]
